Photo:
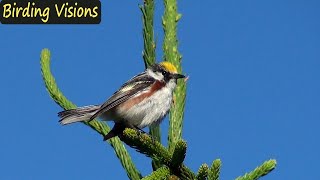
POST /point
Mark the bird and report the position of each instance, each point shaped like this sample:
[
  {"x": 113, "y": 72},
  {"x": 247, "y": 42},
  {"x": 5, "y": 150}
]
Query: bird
[{"x": 142, "y": 101}]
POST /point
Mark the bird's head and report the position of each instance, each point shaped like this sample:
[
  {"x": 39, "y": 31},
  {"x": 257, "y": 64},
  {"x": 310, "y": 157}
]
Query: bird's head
[{"x": 165, "y": 71}]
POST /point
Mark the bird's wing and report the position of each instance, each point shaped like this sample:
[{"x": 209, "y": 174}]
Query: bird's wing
[{"x": 129, "y": 89}]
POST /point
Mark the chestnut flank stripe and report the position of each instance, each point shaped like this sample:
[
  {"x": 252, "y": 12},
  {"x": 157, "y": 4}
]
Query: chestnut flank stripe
[{"x": 157, "y": 85}]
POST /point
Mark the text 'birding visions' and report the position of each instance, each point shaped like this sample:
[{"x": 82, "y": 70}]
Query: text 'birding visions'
[{"x": 50, "y": 12}]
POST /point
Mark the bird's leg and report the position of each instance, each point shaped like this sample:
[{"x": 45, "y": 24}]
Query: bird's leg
[
  {"x": 153, "y": 138},
  {"x": 118, "y": 129},
  {"x": 142, "y": 131},
  {"x": 139, "y": 129},
  {"x": 134, "y": 127}
]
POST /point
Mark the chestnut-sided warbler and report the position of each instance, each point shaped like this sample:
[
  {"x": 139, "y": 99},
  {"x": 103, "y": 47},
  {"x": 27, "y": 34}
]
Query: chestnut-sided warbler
[{"x": 142, "y": 101}]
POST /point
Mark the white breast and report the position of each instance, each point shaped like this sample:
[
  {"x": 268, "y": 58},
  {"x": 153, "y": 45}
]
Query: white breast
[{"x": 151, "y": 110}]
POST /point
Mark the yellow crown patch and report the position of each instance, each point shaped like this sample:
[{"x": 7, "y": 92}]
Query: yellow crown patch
[{"x": 169, "y": 67}]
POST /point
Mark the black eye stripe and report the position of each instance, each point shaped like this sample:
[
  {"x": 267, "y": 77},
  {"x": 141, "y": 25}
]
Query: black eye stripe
[
  {"x": 164, "y": 73},
  {"x": 159, "y": 68}
]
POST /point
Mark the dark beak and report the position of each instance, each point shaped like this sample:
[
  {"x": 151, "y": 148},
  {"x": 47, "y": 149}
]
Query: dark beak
[{"x": 178, "y": 76}]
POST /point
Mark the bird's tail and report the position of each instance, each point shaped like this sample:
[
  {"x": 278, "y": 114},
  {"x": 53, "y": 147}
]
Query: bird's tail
[{"x": 78, "y": 114}]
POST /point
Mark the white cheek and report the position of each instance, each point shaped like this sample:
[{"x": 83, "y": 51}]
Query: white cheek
[
  {"x": 159, "y": 75},
  {"x": 172, "y": 84},
  {"x": 156, "y": 75}
]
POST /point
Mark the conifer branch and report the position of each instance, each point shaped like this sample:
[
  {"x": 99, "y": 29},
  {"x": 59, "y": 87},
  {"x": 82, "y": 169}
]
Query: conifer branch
[
  {"x": 214, "y": 171},
  {"x": 149, "y": 53},
  {"x": 173, "y": 177},
  {"x": 260, "y": 171},
  {"x": 98, "y": 126},
  {"x": 144, "y": 144},
  {"x": 179, "y": 153},
  {"x": 203, "y": 172},
  {"x": 171, "y": 54},
  {"x": 161, "y": 173}
]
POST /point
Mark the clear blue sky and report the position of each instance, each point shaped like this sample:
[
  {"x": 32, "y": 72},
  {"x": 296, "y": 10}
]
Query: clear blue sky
[{"x": 253, "y": 92}]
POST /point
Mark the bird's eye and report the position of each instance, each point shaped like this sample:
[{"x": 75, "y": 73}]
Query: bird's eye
[{"x": 164, "y": 73}]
